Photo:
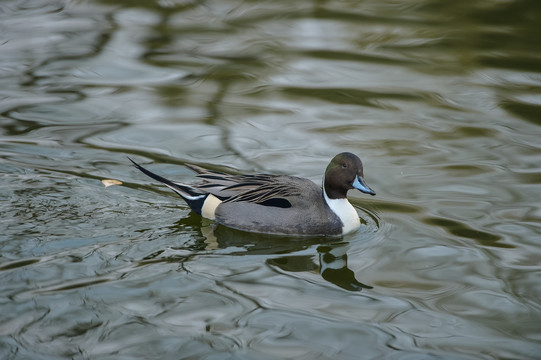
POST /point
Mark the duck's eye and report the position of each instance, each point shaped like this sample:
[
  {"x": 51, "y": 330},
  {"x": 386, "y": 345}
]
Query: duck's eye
[{"x": 344, "y": 165}]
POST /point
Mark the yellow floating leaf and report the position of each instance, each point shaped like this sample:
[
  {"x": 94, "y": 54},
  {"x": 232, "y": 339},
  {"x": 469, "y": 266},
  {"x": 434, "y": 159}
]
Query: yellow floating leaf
[{"x": 109, "y": 182}]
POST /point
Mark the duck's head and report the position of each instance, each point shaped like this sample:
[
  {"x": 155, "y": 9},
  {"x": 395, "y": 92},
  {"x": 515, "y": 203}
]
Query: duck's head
[{"x": 345, "y": 172}]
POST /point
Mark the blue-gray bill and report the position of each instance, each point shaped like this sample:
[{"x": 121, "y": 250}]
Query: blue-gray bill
[{"x": 359, "y": 184}]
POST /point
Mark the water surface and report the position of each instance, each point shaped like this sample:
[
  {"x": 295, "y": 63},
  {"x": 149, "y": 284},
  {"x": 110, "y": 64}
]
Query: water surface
[{"x": 441, "y": 100}]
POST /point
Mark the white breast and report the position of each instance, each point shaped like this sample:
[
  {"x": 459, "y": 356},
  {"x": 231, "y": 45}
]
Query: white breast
[{"x": 346, "y": 212}]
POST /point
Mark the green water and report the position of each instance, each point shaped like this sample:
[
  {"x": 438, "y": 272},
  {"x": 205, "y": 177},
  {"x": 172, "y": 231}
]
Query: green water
[{"x": 441, "y": 100}]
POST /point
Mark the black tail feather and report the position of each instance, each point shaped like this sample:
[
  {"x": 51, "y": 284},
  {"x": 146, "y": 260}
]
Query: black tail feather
[{"x": 191, "y": 196}]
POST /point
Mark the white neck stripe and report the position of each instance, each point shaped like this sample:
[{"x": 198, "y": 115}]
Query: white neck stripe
[{"x": 345, "y": 212}]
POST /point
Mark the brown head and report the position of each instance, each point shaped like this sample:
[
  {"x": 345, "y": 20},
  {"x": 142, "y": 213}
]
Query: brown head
[{"x": 345, "y": 172}]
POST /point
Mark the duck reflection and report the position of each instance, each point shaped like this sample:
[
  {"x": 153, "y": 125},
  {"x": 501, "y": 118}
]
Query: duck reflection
[
  {"x": 331, "y": 260},
  {"x": 333, "y": 266}
]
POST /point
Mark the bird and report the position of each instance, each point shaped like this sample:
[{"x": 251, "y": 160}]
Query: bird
[{"x": 276, "y": 204}]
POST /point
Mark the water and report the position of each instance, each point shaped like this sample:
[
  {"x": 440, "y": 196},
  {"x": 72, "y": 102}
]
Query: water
[{"x": 441, "y": 100}]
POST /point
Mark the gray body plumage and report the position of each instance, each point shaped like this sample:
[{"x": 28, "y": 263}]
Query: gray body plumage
[{"x": 269, "y": 203}]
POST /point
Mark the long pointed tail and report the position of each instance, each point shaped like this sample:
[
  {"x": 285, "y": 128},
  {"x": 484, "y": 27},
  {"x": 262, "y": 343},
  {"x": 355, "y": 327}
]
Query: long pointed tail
[{"x": 194, "y": 198}]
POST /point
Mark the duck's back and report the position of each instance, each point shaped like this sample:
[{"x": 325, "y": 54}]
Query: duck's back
[{"x": 291, "y": 206}]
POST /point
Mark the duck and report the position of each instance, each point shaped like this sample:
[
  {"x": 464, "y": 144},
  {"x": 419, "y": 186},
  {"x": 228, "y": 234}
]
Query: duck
[{"x": 276, "y": 204}]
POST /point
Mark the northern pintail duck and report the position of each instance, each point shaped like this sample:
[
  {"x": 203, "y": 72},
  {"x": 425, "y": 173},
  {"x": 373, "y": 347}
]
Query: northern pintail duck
[{"x": 276, "y": 204}]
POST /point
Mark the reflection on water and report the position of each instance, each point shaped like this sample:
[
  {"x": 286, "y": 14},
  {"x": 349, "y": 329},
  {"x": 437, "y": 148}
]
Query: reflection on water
[
  {"x": 441, "y": 100},
  {"x": 329, "y": 260}
]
